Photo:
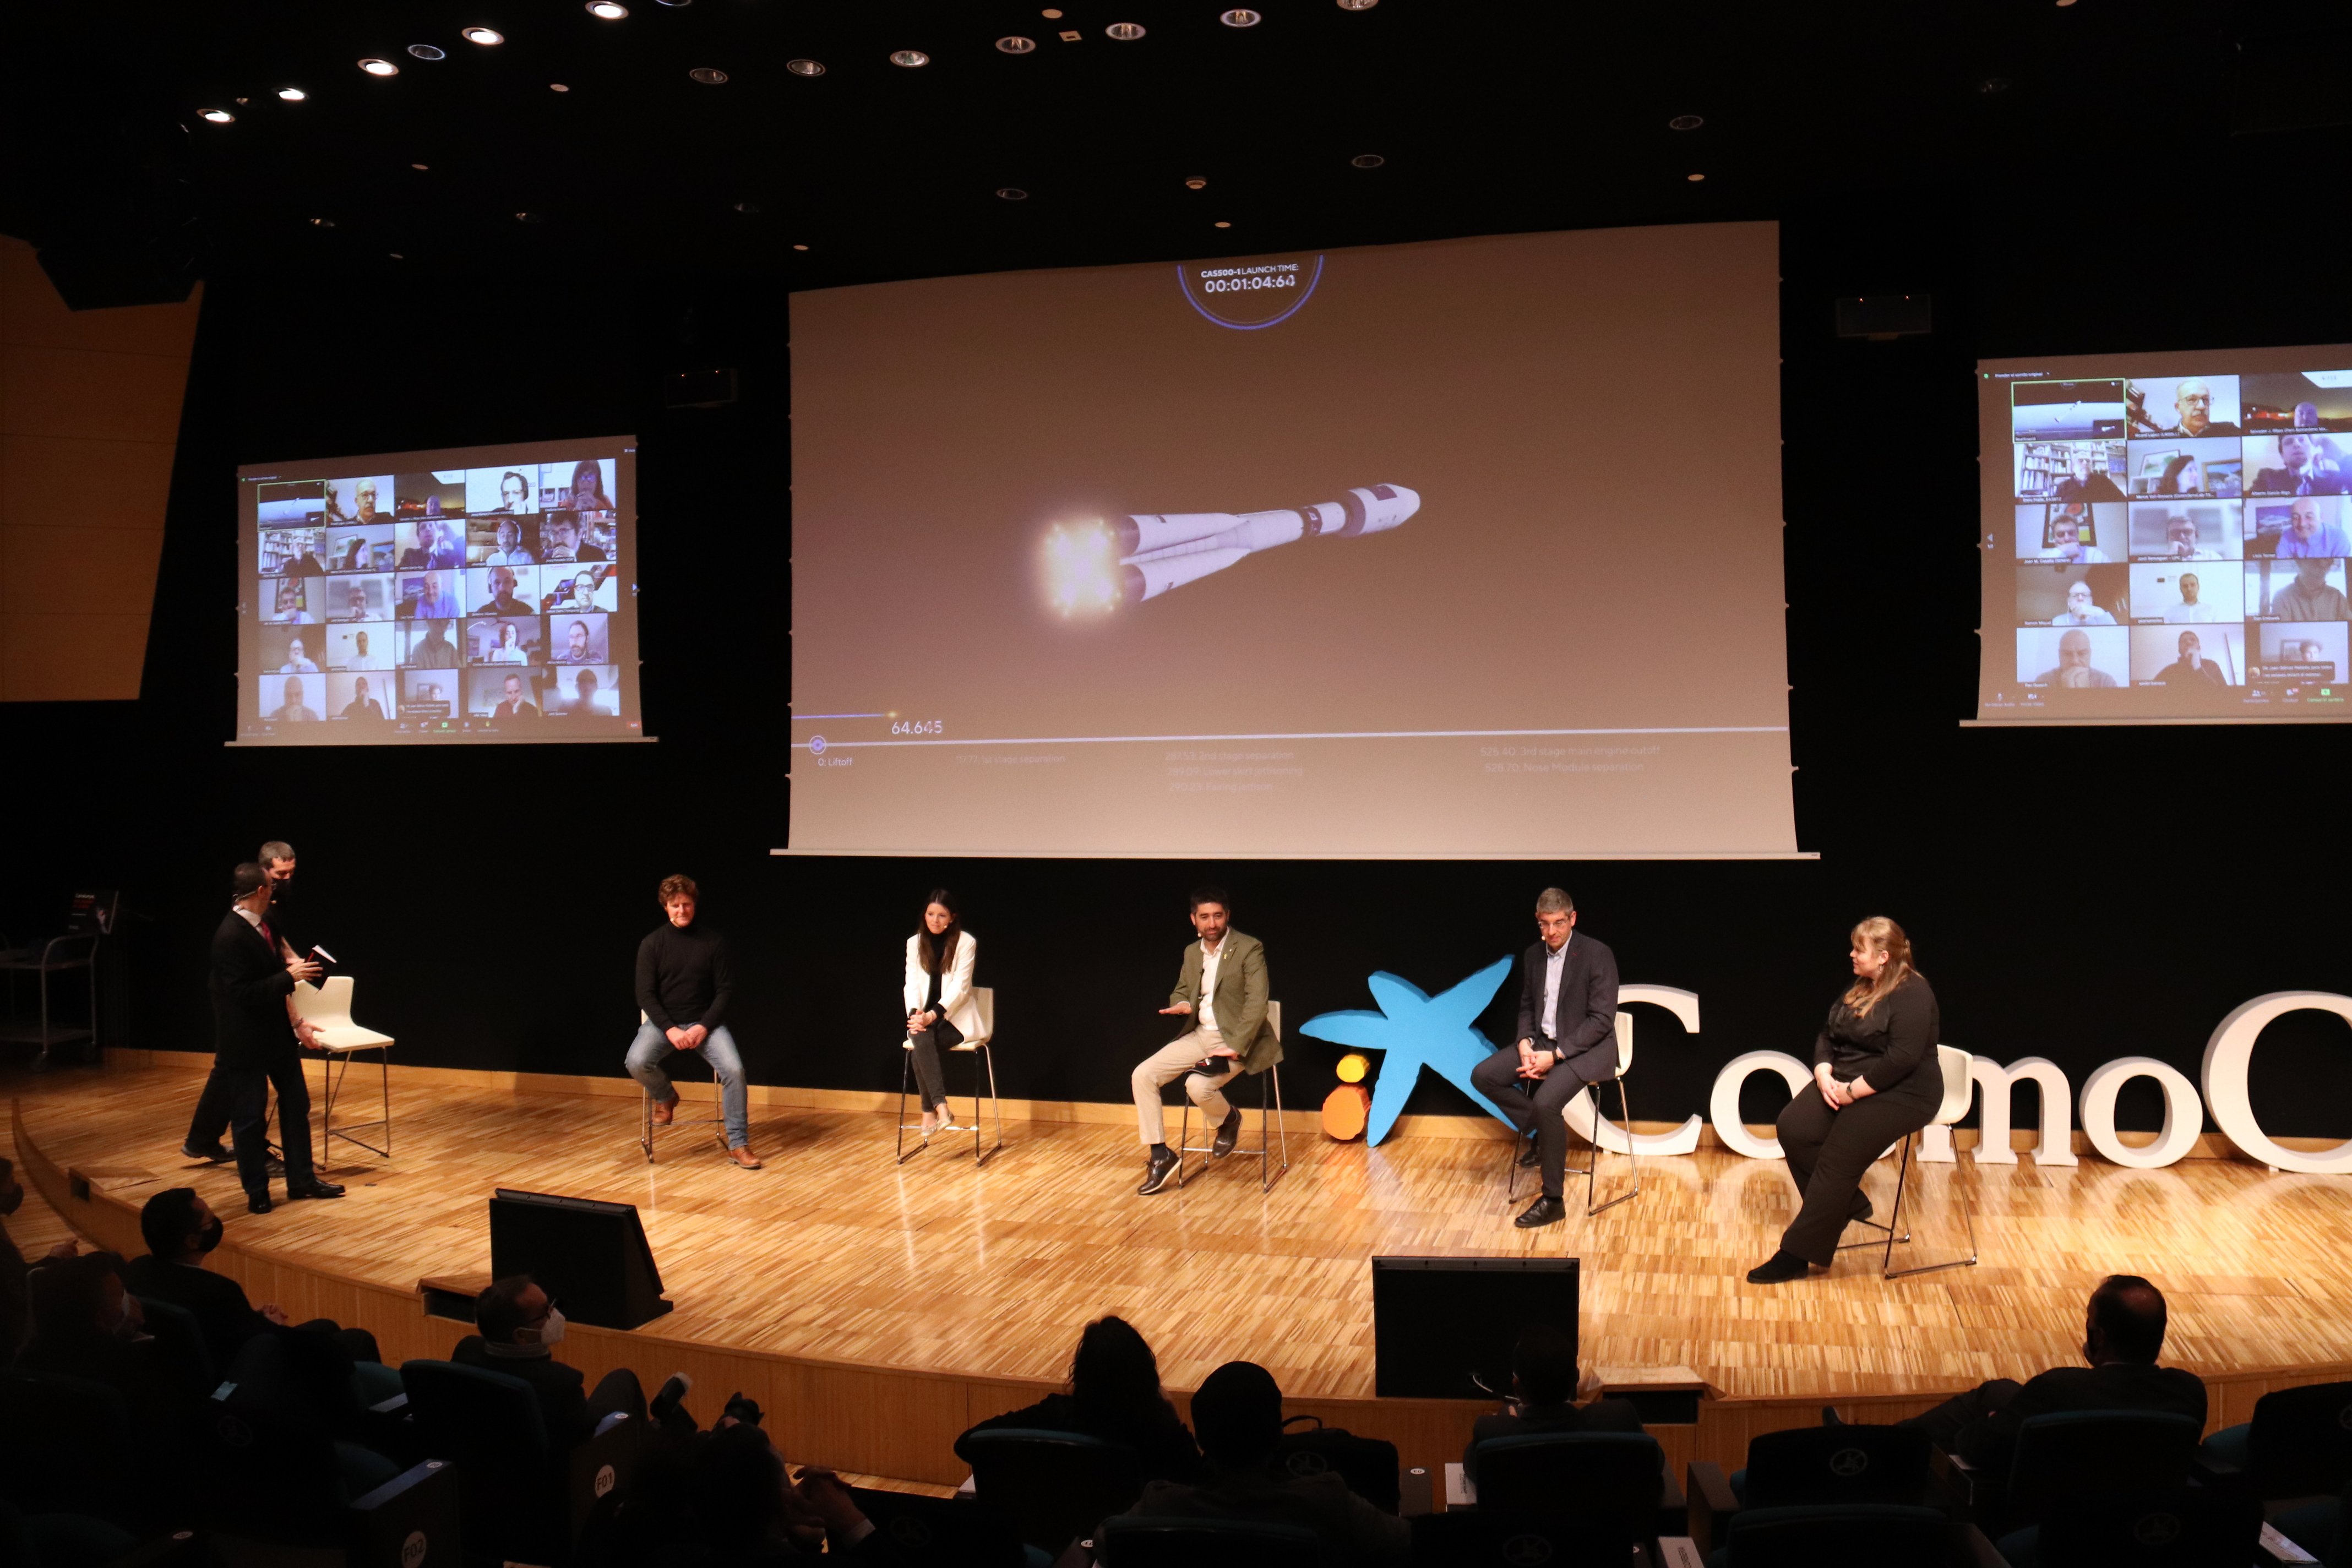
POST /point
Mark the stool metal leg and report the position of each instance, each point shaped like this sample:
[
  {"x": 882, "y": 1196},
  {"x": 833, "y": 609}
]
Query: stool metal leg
[
  {"x": 645, "y": 1130},
  {"x": 1967, "y": 1217},
  {"x": 906, "y": 1068},
  {"x": 1894, "y": 1219},
  {"x": 996, "y": 1104},
  {"x": 1266, "y": 1179},
  {"x": 1592, "y": 1169}
]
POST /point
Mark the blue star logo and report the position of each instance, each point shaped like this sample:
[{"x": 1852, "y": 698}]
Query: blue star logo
[{"x": 1417, "y": 1030}]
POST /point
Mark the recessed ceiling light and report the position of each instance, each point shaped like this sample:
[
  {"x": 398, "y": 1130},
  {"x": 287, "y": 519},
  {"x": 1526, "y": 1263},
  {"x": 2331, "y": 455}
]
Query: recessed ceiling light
[
  {"x": 674, "y": 2},
  {"x": 525, "y": 217},
  {"x": 1694, "y": 179},
  {"x": 708, "y": 76},
  {"x": 295, "y": 95},
  {"x": 1196, "y": 184},
  {"x": 219, "y": 116},
  {"x": 909, "y": 58},
  {"x": 747, "y": 206},
  {"x": 1050, "y": 13},
  {"x": 800, "y": 247},
  {"x": 1012, "y": 193},
  {"x": 1016, "y": 45},
  {"x": 398, "y": 256},
  {"x": 1685, "y": 123},
  {"x": 419, "y": 165},
  {"x": 322, "y": 223},
  {"x": 1368, "y": 160},
  {"x": 1358, "y": 4},
  {"x": 1069, "y": 35},
  {"x": 1223, "y": 224},
  {"x": 1124, "y": 32},
  {"x": 557, "y": 87},
  {"x": 1241, "y": 16},
  {"x": 1993, "y": 85},
  {"x": 2062, "y": 4},
  {"x": 806, "y": 68},
  {"x": 481, "y": 35},
  {"x": 607, "y": 10},
  {"x": 429, "y": 51}
]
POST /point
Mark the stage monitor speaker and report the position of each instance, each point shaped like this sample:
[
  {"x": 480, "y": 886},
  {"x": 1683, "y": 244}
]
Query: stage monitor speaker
[
  {"x": 592, "y": 1256},
  {"x": 1443, "y": 1328}
]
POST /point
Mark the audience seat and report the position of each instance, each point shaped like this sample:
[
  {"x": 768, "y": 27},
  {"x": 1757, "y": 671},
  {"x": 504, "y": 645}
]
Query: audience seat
[
  {"x": 1846, "y": 1535},
  {"x": 1054, "y": 1487},
  {"x": 1811, "y": 1466},
  {"x": 525, "y": 1497},
  {"x": 949, "y": 1531},
  {"x": 2174, "y": 1527},
  {"x": 1591, "y": 1475},
  {"x": 1503, "y": 1538},
  {"x": 1122, "y": 1542},
  {"x": 2071, "y": 1457},
  {"x": 78, "y": 1452},
  {"x": 2295, "y": 1455}
]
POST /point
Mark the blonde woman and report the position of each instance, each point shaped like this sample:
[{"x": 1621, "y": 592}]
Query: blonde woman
[
  {"x": 1875, "y": 1078},
  {"x": 940, "y": 1013}
]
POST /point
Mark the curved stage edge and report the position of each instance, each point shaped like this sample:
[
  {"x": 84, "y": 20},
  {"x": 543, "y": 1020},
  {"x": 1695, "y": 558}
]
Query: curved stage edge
[{"x": 901, "y": 1422}]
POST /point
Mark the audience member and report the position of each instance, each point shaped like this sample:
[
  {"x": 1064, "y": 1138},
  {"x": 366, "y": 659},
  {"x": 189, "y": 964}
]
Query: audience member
[
  {"x": 87, "y": 1324},
  {"x": 1239, "y": 1414},
  {"x": 15, "y": 1315},
  {"x": 2123, "y": 1331},
  {"x": 1114, "y": 1395},
  {"x": 1543, "y": 1396},
  {"x": 518, "y": 1330},
  {"x": 747, "y": 1512}
]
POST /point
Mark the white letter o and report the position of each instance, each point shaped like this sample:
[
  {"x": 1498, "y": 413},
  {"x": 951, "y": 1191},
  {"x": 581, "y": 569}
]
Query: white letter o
[
  {"x": 2228, "y": 1055},
  {"x": 2184, "y": 1116},
  {"x": 1723, "y": 1105}
]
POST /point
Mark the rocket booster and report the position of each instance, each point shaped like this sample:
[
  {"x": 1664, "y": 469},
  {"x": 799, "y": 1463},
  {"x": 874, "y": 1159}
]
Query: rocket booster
[{"x": 1143, "y": 556}]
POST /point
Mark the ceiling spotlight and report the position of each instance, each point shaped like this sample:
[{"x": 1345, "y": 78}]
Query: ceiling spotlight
[
  {"x": 607, "y": 10},
  {"x": 2062, "y": 4},
  {"x": 1694, "y": 179},
  {"x": 743, "y": 207},
  {"x": 674, "y": 2},
  {"x": 800, "y": 247},
  {"x": 1368, "y": 160},
  {"x": 557, "y": 87},
  {"x": 295, "y": 95},
  {"x": 708, "y": 76},
  {"x": 420, "y": 166},
  {"x": 219, "y": 116},
  {"x": 1196, "y": 184},
  {"x": 525, "y": 217},
  {"x": 429, "y": 51},
  {"x": 322, "y": 223},
  {"x": 1685, "y": 123},
  {"x": 1241, "y": 16},
  {"x": 1993, "y": 85},
  {"x": 909, "y": 58},
  {"x": 1358, "y": 4},
  {"x": 1124, "y": 32},
  {"x": 481, "y": 35},
  {"x": 398, "y": 256},
  {"x": 806, "y": 68},
  {"x": 1016, "y": 45},
  {"x": 1050, "y": 13},
  {"x": 1012, "y": 193},
  {"x": 1223, "y": 224}
]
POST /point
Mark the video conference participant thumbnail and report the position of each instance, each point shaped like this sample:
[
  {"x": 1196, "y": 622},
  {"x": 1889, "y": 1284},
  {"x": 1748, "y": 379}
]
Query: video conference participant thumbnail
[
  {"x": 291, "y": 650},
  {"x": 431, "y": 544},
  {"x": 290, "y": 503},
  {"x": 502, "y": 589},
  {"x": 497, "y": 541},
  {"x": 507, "y": 696},
  {"x": 353, "y": 548},
  {"x": 2191, "y": 595},
  {"x": 364, "y": 500},
  {"x": 2069, "y": 658},
  {"x": 286, "y": 699},
  {"x": 429, "y": 595},
  {"x": 2190, "y": 660},
  {"x": 290, "y": 600},
  {"x": 2067, "y": 410},
  {"x": 2070, "y": 470},
  {"x": 586, "y": 485},
  {"x": 426, "y": 644},
  {"x": 570, "y": 591},
  {"x": 2304, "y": 588},
  {"x": 428, "y": 698},
  {"x": 2071, "y": 530},
  {"x": 2180, "y": 467},
  {"x": 2300, "y": 654},
  {"x": 502, "y": 492},
  {"x": 2191, "y": 530},
  {"x": 2067, "y": 596},
  {"x": 2295, "y": 463},
  {"x": 361, "y": 596},
  {"x": 365, "y": 646},
  {"x": 566, "y": 537},
  {"x": 2291, "y": 400},
  {"x": 292, "y": 553},
  {"x": 360, "y": 699},
  {"x": 506, "y": 639},
  {"x": 2306, "y": 525},
  {"x": 579, "y": 639},
  {"x": 2188, "y": 405},
  {"x": 584, "y": 692}
]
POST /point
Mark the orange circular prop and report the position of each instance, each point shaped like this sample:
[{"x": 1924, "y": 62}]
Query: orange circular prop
[
  {"x": 1346, "y": 1111},
  {"x": 1352, "y": 1067}
]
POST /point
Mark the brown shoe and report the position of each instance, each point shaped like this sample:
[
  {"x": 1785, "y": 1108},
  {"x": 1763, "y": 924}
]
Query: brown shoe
[
  {"x": 664, "y": 1109},
  {"x": 742, "y": 1155}
]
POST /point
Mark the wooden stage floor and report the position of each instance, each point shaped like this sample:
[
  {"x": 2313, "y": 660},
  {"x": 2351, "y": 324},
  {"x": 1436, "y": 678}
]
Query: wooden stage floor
[{"x": 833, "y": 1252}]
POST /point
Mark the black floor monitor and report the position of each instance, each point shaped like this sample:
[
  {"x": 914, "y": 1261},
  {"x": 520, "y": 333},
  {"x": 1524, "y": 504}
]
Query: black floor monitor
[
  {"x": 591, "y": 1255},
  {"x": 1443, "y": 1327}
]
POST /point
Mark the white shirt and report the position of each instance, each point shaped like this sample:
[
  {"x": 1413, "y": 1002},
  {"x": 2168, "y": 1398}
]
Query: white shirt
[
  {"x": 2197, "y": 614},
  {"x": 1555, "y": 961},
  {"x": 1207, "y": 1012},
  {"x": 248, "y": 916}
]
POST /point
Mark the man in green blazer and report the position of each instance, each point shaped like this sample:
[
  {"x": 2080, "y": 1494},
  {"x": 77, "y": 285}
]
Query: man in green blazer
[{"x": 1222, "y": 990}]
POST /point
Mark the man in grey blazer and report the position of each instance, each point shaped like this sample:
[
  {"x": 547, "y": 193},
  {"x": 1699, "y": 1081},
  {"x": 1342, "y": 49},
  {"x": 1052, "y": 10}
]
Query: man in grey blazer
[{"x": 1222, "y": 989}]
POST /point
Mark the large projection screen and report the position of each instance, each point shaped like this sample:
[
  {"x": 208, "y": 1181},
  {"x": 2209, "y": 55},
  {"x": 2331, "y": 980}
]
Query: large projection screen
[
  {"x": 2164, "y": 537},
  {"x": 473, "y": 595},
  {"x": 1458, "y": 549}
]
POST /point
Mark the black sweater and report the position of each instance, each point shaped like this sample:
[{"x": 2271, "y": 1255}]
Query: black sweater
[
  {"x": 684, "y": 977},
  {"x": 1894, "y": 1047}
]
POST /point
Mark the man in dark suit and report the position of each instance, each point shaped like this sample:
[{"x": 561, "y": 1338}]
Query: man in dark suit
[
  {"x": 1568, "y": 1039},
  {"x": 256, "y": 1038},
  {"x": 211, "y": 1121},
  {"x": 2123, "y": 1332},
  {"x": 1543, "y": 1396}
]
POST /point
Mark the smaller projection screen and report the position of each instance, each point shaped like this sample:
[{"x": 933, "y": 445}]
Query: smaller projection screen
[
  {"x": 479, "y": 594},
  {"x": 2164, "y": 537}
]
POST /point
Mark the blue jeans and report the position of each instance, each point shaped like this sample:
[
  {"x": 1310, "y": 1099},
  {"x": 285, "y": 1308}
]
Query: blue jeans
[{"x": 651, "y": 1047}]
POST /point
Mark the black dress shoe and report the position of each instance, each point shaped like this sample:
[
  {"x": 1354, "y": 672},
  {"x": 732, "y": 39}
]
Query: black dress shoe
[
  {"x": 210, "y": 1154},
  {"x": 1779, "y": 1269},
  {"x": 259, "y": 1203},
  {"x": 1229, "y": 1132},
  {"x": 1533, "y": 1157},
  {"x": 313, "y": 1189},
  {"x": 1543, "y": 1211},
  {"x": 1162, "y": 1167}
]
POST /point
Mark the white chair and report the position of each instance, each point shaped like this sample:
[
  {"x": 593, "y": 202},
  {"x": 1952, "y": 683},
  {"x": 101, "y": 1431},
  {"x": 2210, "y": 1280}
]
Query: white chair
[
  {"x": 1269, "y": 1095},
  {"x": 647, "y": 1128},
  {"x": 1957, "y": 1090},
  {"x": 981, "y": 1048},
  {"x": 1592, "y": 1169},
  {"x": 327, "y": 1008}
]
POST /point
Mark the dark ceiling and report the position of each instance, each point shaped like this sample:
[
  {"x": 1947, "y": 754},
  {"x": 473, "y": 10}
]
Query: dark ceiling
[{"x": 1488, "y": 116}]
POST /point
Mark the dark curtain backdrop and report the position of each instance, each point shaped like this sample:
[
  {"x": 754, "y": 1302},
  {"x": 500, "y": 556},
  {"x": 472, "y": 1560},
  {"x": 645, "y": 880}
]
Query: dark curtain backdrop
[{"x": 2076, "y": 894}]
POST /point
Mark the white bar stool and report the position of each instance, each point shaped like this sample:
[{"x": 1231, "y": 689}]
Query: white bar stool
[
  {"x": 981, "y": 1048},
  {"x": 327, "y": 1008},
  {"x": 1958, "y": 1092},
  {"x": 1269, "y": 1093}
]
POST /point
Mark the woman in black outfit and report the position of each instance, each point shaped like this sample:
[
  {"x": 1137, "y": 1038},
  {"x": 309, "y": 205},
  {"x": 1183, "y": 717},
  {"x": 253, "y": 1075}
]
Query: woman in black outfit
[
  {"x": 1113, "y": 1396},
  {"x": 1877, "y": 1076}
]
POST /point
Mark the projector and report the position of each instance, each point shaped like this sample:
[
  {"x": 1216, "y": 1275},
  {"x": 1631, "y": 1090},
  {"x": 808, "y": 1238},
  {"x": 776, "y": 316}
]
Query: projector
[{"x": 1100, "y": 564}]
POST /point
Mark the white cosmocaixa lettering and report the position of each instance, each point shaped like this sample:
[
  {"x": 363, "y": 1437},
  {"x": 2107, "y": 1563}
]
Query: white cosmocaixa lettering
[{"x": 2228, "y": 1056}]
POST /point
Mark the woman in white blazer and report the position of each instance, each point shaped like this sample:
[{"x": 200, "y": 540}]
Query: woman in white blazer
[{"x": 940, "y": 1013}]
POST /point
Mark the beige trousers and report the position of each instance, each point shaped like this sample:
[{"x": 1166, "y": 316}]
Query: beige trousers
[{"x": 1170, "y": 1061}]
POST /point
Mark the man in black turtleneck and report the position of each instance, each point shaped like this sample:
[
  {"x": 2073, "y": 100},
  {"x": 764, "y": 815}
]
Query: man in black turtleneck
[{"x": 684, "y": 982}]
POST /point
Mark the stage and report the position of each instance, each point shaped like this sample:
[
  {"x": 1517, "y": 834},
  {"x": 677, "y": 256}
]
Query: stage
[{"x": 876, "y": 1309}]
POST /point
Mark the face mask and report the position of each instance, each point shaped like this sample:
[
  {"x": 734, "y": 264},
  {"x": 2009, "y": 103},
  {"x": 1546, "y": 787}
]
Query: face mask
[
  {"x": 549, "y": 1333},
  {"x": 210, "y": 1236},
  {"x": 12, "y": 1202}
]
